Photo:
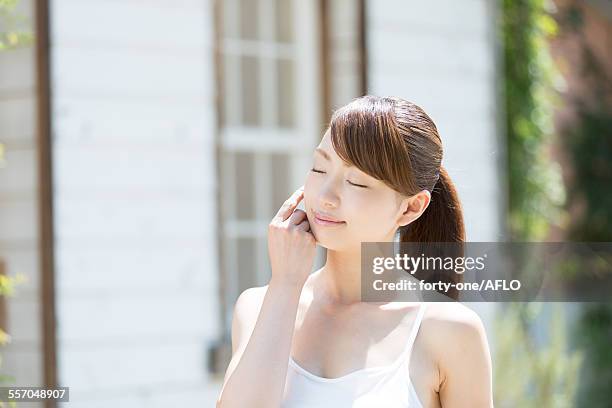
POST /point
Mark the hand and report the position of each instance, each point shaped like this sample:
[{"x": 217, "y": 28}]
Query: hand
[{"x": 291, "y": 244}]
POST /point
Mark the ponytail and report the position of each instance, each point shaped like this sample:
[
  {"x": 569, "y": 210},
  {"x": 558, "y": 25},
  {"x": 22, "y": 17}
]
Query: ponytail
[{"x": 442, "y": 221}]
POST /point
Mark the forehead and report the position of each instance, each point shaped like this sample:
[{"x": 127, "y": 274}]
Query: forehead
[
  {"x": 326, "y": 144},
  {"x": 326, "y": 141},
  {"x": 328, "y": 147}
]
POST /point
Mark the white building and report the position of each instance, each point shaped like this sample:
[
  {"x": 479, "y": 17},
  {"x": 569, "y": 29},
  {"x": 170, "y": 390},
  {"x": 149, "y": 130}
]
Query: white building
[{"x": 175, "y": 130}]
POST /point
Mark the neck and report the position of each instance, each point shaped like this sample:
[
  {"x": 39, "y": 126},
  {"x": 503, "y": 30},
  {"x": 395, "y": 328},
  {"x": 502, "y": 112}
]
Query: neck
[
  {"x": 339, "y": 281},
  {"x": 341, "y": 277}
]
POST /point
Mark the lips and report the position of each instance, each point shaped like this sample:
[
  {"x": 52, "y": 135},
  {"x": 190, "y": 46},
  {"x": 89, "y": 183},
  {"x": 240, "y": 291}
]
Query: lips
[{"x": 327, "y": 219}]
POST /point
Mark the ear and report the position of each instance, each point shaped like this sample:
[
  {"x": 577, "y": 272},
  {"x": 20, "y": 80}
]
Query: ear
[{"x": 413, "y": 207}]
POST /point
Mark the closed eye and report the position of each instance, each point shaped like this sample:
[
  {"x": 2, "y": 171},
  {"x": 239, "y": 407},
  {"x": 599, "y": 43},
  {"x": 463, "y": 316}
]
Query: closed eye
[
  {"x": 351, "y": 183},
  {"x": 357, "y": 185}
]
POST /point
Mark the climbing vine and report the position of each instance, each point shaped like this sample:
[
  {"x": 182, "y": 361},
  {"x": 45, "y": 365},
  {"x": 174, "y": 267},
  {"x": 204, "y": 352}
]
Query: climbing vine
[
  {"x": 529, "y": 373},
  {"x": 536, "y": 195}
]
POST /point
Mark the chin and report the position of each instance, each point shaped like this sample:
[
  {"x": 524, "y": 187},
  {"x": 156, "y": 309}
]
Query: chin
[{"x": 330, "y": 241}]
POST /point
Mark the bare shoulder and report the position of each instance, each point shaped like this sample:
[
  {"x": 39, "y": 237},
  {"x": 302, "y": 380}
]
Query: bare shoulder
[
  {"x": 455, "y": 336},
  {"x": 245, "y": 313},
  {"x": 452, "y": 316},
  {"x": 448, "y": 326},
  {"x": 250, "y": 300}
]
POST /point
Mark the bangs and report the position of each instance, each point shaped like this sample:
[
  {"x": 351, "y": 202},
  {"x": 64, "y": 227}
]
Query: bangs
[{"x": 365, "y": 134}]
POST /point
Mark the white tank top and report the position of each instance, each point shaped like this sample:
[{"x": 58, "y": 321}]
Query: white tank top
[{"x": 387, "y": 386}]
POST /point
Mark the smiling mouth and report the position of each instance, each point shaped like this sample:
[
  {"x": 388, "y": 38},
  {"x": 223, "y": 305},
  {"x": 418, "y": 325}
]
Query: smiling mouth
[{"x": 325, "y": 222}]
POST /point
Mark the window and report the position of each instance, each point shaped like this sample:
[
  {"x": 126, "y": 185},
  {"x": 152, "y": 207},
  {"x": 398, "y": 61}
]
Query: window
[{"x": 269, "y": 125}]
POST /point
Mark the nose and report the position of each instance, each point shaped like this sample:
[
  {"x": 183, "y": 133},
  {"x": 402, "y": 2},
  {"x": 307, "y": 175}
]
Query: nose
[{"x": 329, "y": 197}]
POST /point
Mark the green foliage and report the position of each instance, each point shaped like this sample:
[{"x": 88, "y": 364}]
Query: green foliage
[
  {"x": 595, "y": 336},
  {"x": 14, "y": 33},
  {"x": 588, "y": 143},
  {"x": 8, "y": 284},
  {"x": 14, "y": 29},
  {"x": 536, "y": 189},
  {"x": 531, "y": 375}
]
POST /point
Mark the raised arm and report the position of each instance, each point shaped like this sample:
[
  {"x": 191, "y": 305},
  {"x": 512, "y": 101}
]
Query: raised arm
[
  {"x": 262, "y": 330},
  {"x": 264, "y": 318}
]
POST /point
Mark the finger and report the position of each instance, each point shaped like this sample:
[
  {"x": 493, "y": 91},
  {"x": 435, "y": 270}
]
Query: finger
[
  {"x": 297, "y": 217},
  {"x": 304, "y": 226},
  {"x": 288, "y": 206}
]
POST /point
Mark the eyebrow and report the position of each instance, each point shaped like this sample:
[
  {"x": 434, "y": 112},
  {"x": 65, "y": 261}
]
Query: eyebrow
[{"x": 326, "y": 155}]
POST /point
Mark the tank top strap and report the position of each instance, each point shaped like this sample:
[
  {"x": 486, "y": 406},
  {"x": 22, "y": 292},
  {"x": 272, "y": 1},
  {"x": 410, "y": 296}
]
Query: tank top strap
[{"x": 414, "y": 331}]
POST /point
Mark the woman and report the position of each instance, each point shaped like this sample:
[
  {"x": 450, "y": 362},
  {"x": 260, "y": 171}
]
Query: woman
[{"x": 307, "y": 340}]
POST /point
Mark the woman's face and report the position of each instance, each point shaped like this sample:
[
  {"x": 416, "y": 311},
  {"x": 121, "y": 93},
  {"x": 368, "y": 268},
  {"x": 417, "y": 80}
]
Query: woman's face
[{"x": 368, "y": 210}]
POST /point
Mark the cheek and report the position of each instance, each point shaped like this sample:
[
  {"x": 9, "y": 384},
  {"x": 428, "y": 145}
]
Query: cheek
[
  {"x": 309, "y": 181},
  {"x": 310, "y": 190},
  {"x": 373, "y": 214}
]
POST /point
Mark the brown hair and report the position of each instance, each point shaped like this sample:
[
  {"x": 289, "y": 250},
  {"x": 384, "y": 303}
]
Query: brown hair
[{"x": 395, "y": 141}]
